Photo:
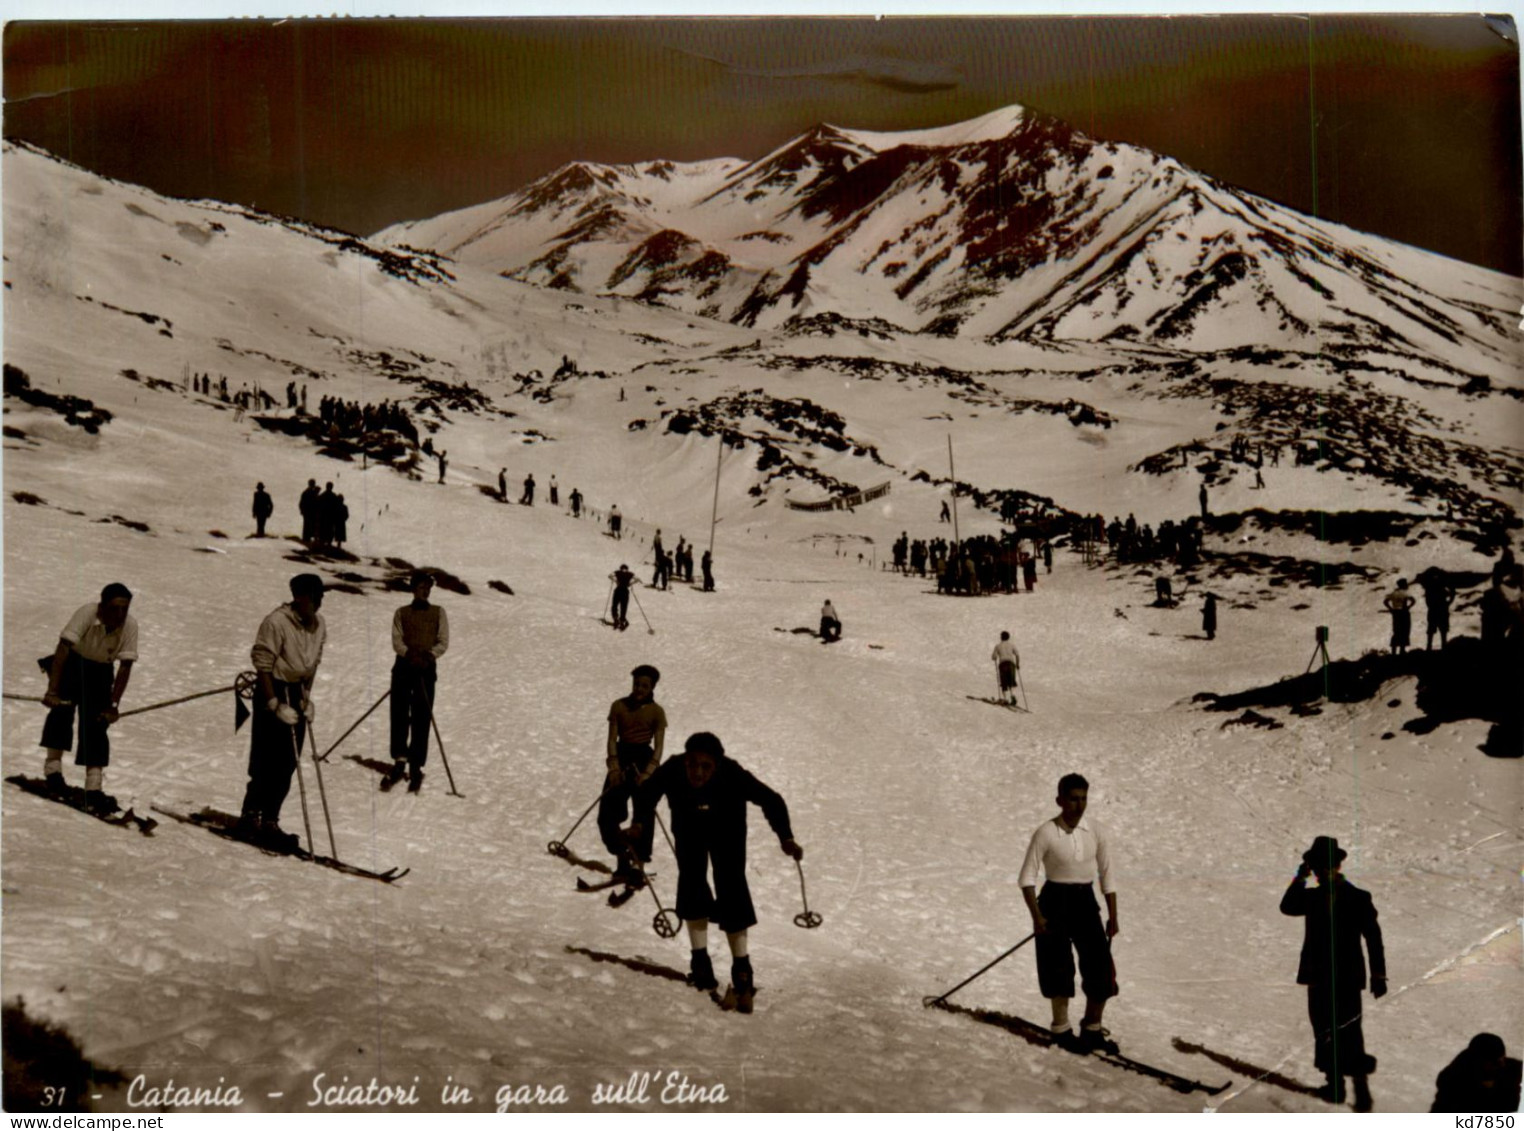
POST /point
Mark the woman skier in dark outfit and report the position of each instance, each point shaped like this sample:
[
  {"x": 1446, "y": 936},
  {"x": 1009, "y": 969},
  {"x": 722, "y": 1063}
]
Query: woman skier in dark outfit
[{"x": 707, "y": 795}]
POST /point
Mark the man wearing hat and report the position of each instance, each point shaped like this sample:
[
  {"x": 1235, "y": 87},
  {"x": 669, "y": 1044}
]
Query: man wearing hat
[
  {"x": 420, "y": 636},
  {"x": 1332, "y": 968},
  {"x": 81, "y": 677},
  {"x": 286, "y": 654}
]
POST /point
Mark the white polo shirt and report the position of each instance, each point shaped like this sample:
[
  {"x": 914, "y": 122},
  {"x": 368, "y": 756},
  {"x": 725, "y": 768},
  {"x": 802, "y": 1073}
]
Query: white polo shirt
[
  {"x": 1068, "y": 856},
  {"x": 88, "y": 636}
]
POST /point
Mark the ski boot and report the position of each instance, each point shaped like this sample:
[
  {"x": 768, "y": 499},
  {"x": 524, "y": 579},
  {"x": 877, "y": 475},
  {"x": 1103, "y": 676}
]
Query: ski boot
[
  {"x": 393, "y": 776},
  {"x": 248, "y": 825},
  {"x": 701, "y": 972},
  {"x": 628, "y": 873},
  {"x": 99, "y": 801},
  {"x": 415, "y": 779},
  {"x": 1096, "y": 1039},
  {"x": 277, "y": 838},
  {"x": 742, "y": 987},
  {"x": 55, "y": 783}
]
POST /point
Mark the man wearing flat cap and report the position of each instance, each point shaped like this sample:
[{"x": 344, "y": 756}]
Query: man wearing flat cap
[
  {"x": 286, "y": 654},
  {"x": 1338, "y": 915}
]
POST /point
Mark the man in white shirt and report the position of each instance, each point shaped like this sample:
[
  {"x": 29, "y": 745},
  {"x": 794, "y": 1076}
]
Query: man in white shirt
[
  {"x": 1072, "y": 853},
  {"x": 287, "y": 651},
  {"x": 81, "y": 677},
  {"x": 1007, "y": 664}
]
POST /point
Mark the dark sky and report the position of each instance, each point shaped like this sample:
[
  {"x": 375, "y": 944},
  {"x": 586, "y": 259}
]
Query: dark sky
[{"x": 1407, "y": 126}]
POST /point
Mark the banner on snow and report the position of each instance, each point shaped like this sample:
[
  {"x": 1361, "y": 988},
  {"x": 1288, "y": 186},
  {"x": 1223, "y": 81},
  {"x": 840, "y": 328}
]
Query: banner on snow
[{"x": 842, "y": 502}]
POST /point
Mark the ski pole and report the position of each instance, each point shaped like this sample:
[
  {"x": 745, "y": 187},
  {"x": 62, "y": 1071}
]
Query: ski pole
[
  {"x": 642, "y": 609},
  {"x": 666, "y": 835},
  {"x": 805, "y": 918},
  {"x": 607, "y": 601},
  {"x": 34, "y": 699},
  {"x": 1021, "y": 686},
  {"x": 301, "y": 784},
  {"x": 317, "y": 767},
  {"x": 930, "y": 1001},
  {"x": 443, "y": 760},
  {"x": 323, "y": 757},
  {"x": 664, "y": 927},
  {"x": 558, "y": 847},
  {"x": 182, "y": 699}
]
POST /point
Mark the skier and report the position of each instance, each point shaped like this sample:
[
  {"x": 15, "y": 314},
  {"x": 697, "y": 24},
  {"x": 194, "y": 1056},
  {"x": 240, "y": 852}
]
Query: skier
[
  {"x": 706, "y": 563},
  {"x": 1438, "y": 594},
  {"x": 81, "y": 678},
  {"x": 616, "y": 521},
  {"x": 707, "y": 793},
  {"x": 1007, "y": 664},
  {"x": 1332, "y": 966},
  {"x": 1209, "y": 616},
  {"x": 287, "y": 651},
  {"x": 1201, "y": 497},
  {"x": 830, "y": 623},
  {"x": 1029, "y": 571},
  {"x": 637, "y": 729},
  {"x": 1399, "y": 602},
  {"x": 621, "y": 577},
  {"x": 308, "y": 507},
  {"x": 502, "y": 485},
  {"x": 1073, "y": 854},
  {"x": 1047, "y": 556},
  {"x": 1164, "y": 592},
  {"x": 1482, "y": 1077},
  {"x": 444, "y": 461},
  {"x": 656, "y": 555},
  {"x": 264, "y": 507},
  {"x": 420, "y": 636},
  {"x": 946, "y": 514},
  {"x": 576, "y": 503},
  {"x": 527, "y": 498},
  {"x": 555, "y": 492}
]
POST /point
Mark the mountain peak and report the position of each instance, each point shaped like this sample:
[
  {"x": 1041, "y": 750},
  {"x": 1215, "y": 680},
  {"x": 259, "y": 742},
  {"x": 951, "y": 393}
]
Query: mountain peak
[{"x": 987, "y": 127}]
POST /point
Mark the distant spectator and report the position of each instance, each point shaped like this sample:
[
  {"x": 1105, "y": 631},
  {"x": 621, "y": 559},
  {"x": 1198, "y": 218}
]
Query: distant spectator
[{"x": 264, "y": 507}]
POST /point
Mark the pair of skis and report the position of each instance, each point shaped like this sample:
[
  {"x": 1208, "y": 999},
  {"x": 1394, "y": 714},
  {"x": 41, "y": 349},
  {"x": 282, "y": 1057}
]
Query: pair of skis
[
  {"x": 224, "y": 825},
  {"x": 1041, "y": 1035},
  {"x": 74, "y": 798}
]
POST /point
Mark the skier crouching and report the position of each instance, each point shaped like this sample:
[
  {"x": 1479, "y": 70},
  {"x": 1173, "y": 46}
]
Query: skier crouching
[{"x": 707, "y": 795}]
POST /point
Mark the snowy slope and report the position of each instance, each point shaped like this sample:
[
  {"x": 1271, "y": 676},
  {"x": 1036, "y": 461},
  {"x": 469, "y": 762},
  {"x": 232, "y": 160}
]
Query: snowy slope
[{"x": 185, "y": 957}]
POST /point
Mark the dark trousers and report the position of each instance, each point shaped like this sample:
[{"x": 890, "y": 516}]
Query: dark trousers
[
  {"x": 273, "y": 749},
  {"x": 621, "y": 607},
  {"x": 1337, "y": 1035},
  {"x": 830, "y": 629},
  {"x": 728, "y": 905},
  {"x": 259, "y": 524},
  {"x": 1074, "y": 920},
  {"x": 412, "y": 707},
  {"x": 615, "y": 807},
  {"x": 86, "y": 684}
]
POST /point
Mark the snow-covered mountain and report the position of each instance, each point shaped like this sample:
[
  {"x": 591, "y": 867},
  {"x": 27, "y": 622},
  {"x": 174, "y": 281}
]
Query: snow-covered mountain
[{"x": 1012, "y": 225}]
